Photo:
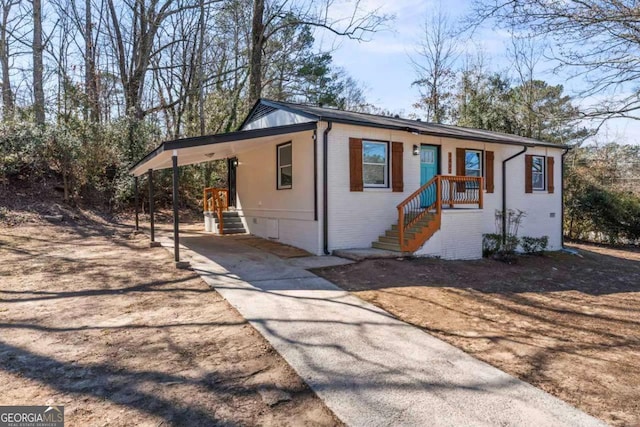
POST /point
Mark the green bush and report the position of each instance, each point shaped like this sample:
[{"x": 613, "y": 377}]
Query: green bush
[
  {"x": 534, "y": 245},
  {"x": 595, "y": 212},
  {"x": 21, "y": 150}
]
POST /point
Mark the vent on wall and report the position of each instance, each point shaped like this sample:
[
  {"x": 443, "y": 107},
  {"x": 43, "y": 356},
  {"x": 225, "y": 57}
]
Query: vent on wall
[{"x": 260, "y": 112}]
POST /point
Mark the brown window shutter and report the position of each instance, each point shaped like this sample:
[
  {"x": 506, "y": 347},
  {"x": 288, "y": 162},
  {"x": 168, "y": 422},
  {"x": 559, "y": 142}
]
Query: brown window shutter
[
  {"x": 550, "y": 163},
  {"x": 355, "y": 164},
  {"x": 528, "y": 177},
  {"x": 489, "y": 170},
  {"x": 460, "y": 162},
  {"x": 460, "y": 169},
  {"x": 397, "y": 149}
]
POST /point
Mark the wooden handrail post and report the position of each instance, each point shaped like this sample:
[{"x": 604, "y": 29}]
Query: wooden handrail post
[
  {"x": 480, "y": 193},
  {"x": 439, "y": 195},
  {"x": 451, "y": 192},
  {"x": 401, "y": 226}
]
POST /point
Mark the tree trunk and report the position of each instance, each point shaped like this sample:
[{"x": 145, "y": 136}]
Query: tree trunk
[
  {"x": 38, "y": 66},
  {"x": 90, "y": 77},
  {"x": 257, "y": 42},
  {"x": 7, "y": 93}
]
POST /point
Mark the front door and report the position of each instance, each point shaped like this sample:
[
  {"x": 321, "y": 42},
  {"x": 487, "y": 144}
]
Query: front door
[{"x": 428, "y": 169}]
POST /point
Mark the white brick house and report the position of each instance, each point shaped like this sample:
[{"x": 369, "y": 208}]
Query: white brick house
[{"x": 322, "y": 179}]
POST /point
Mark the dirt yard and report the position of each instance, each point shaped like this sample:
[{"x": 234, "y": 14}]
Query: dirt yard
[
  {"x": 567, "y": 324},
  {"x": 93, "y": 319}
]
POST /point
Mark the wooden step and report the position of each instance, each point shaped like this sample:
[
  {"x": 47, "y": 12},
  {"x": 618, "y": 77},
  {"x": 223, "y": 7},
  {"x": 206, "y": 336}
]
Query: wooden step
[
  {"x": 423, "y": 222},
  {"x": 386, "y": 246},
  {"x": 387, "y": 239},
  {"x": 394, "y": 234}
]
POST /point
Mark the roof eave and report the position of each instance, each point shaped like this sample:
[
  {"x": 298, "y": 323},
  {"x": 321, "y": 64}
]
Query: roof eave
[{"x": 442, "y": 134}]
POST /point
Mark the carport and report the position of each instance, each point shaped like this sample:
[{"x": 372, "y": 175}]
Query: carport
[{"x": 195, "y": 150}]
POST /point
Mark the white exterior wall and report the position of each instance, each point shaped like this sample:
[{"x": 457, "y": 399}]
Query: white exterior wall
[
  {"x": 357, "y": 218},
  {"x": 459, "y": 237},
  {"x": 284, "y": 215}
]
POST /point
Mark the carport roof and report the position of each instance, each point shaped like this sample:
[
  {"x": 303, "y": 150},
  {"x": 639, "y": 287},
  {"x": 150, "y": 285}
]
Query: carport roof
[{"x": 199, "y": 149}]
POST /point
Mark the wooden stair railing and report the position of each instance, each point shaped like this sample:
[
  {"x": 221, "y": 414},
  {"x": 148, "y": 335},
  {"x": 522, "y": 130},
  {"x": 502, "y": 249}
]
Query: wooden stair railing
[
  {"x": 420, "y": 214},
  {"x": 216, "y": 200}
]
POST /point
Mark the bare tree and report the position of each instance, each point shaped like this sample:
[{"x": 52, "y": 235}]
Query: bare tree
[
  {"x": 434, "y": 66},
  {"x": 270, "y": 19},
  {"x": 90, "y": 72},
  {"x": 598, "y": 40},
  {"x": 526, "y": 52}
]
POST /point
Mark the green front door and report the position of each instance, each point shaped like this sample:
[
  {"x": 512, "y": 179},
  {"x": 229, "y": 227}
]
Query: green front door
[{"x": 428, "y": 169}]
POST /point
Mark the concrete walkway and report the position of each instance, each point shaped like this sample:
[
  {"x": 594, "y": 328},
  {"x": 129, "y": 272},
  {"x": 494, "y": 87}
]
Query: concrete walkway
[{"x": 369, "y": 368}]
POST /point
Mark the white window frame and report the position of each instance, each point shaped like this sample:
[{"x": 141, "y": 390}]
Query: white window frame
[
  {"x": 543, "y": 160},
  {"x": 386, "y": 164},
  {"x": 280, "y": 166}
]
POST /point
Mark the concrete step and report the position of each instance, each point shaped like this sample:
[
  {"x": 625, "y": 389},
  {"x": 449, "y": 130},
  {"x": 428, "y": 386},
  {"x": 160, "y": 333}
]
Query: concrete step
[
  {"x": 230, "y": 220},
  {"x": 234, "y": 231},
  {"x": 230, "y": 214},
  {"x": 233, "y": 226},
  {"x": 386, "y": 246}
]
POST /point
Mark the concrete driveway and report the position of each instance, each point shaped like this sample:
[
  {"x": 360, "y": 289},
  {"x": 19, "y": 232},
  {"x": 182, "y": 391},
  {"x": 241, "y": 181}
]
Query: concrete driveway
[{"x": 370, "y": 368}]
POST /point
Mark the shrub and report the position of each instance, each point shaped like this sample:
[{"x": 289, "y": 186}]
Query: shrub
[
  {"x": 494, "y": 245},
  {"x": 491, "y": 244},
  {"x": 534, "y": 245}
]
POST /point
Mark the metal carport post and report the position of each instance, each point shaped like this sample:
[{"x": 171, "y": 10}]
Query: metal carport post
[
  {"x": 176, "y": 226},
  {"x": 136, "y": 198}
]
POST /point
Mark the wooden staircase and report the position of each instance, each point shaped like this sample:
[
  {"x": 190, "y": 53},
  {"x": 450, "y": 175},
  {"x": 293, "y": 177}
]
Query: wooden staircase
[
  {"x": 420, "y": 214},
  {"x": 424, "y": 228},
  {"x": 216, "y": 201}
]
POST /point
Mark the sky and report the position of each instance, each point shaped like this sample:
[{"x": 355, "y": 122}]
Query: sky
[{"x": 383, "y": 64}]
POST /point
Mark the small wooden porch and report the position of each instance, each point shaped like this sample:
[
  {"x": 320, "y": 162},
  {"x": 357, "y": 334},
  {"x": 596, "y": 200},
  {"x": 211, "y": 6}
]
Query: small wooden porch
[{"x": 419, "y": 215}]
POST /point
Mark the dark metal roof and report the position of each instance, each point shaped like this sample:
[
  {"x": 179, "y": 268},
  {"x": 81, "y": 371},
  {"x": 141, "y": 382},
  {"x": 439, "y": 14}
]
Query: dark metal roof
[{"x": 396, "y": 123}]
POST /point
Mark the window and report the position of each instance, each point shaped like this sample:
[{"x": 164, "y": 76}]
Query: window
[
  {"x": 472, "y": 165},
  {"x": 538, "y": 173},
  {"x": 375, "y": 164},
  {"x": 285, "y": 166}
]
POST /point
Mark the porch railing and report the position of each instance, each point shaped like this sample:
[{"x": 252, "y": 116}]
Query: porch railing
[
  {"x": 216, "y": 200},
  {"x": 429, "y": 199},
  {"x": 462, "y": 190}
]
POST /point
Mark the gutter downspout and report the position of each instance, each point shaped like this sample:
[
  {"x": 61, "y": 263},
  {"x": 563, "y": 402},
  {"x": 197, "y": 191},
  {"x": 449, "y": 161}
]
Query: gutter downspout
[
  {"x": 325, "y": 189},
  {"x": 315, "y": 173},
  {"x": 504, "y": 192},
  {"x": 566, "y": 150}
]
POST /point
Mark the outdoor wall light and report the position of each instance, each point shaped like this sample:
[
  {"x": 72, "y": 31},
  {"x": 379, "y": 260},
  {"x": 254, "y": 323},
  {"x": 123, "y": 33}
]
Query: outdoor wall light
[
  {"x": 416, "y": 150},
  {"x": 235, "y": 163}
]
